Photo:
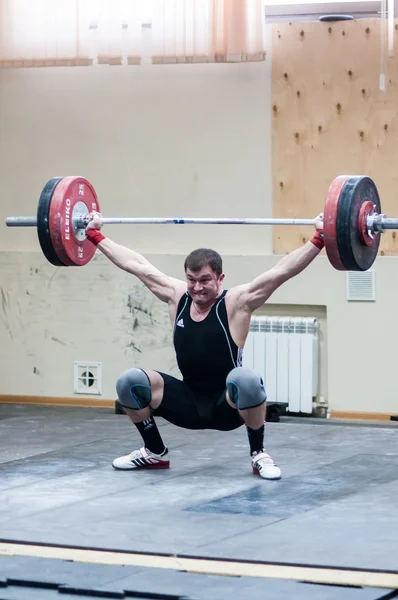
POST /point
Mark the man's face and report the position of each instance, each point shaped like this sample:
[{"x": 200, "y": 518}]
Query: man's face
[{"x": 203, "y": 286}]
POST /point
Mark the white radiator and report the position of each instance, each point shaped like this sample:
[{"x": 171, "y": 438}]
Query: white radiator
[{"x": 285, "y": 351}]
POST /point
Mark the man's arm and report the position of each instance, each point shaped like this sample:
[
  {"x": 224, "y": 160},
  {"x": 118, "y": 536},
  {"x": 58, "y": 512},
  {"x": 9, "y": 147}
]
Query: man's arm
[
  {"x": 253, "y": 295},
  {"x": 167, "y": 289}
]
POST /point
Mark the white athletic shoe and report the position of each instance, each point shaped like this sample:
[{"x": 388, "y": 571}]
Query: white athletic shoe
[
  {"x": 263, "y": 465},
  {"x": 142, "y": 459}
]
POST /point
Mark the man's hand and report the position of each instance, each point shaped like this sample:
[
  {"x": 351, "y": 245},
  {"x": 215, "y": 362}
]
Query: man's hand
[
  {"x": 95, "y": 220},
  {"x": 318, "y": 238},
  {"x": 318, "y": 223}
]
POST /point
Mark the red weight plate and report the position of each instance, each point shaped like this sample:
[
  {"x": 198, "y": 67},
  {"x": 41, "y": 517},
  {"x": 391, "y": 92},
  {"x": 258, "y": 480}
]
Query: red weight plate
[
  {"x": 73, "y": 196},
  {"x": 330, "y": 218}
]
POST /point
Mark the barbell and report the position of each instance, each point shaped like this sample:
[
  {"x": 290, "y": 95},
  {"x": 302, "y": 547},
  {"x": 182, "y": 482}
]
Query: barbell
[{"x": 353, "y": 221}]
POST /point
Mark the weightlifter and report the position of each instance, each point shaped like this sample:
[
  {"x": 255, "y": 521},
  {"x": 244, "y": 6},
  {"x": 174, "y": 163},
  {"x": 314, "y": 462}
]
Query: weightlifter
[{"x": 210, "y": 328}]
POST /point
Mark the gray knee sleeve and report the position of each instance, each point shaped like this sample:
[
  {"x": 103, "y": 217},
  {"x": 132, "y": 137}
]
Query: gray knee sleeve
[
  {"x": 245, "y": 388},
  {"x": 134, "y": 389}
]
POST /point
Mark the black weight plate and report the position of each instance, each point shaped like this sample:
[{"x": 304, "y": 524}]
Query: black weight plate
[
  {"x": 355, "y": 255},
  {"x": 43, "y": 231}
]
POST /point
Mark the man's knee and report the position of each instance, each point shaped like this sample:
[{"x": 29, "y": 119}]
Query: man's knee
[
  {"x": 133, "y": 388},
  {"x": 245, "y": 388}
]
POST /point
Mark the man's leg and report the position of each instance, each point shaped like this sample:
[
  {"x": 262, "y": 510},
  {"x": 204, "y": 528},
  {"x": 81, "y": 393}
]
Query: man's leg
[
  {"x": 245, "y": 392},
  {"x": 145, "y": 394},
  {"x": 140, "y": 392}
]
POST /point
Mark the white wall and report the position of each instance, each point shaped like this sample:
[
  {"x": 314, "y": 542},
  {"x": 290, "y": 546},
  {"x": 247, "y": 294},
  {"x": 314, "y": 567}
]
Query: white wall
[
  {"x": 51, "y": 317},
  {"x": 185, "y": 140},
  {"x": 189, "y": 140}
]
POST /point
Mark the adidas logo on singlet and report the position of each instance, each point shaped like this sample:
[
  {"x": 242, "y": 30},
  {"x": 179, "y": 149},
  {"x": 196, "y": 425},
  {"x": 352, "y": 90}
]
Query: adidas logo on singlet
[{"x": 180, "y": 323}]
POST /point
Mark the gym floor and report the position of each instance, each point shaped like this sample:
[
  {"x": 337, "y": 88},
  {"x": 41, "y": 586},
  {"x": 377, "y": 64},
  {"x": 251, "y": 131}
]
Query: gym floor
[{"x": 335, "y": 506}]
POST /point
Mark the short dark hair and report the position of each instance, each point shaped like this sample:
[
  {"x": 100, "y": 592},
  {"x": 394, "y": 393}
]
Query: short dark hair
[{"x": 203, "y": 257}]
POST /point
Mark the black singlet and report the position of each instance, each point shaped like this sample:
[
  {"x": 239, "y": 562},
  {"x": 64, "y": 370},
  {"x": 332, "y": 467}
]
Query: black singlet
[{"x": 205, "y": 350}]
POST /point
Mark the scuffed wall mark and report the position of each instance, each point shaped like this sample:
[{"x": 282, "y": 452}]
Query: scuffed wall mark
[
  {"x": 19, "y": 310},
  {"x": 140, "y": 309},
  {"x": 58, "y": 341},
  {"x": 33, "y": 271},
  {"x": 8, "y": 330},
  {"x": 133, "y": 304},
  {"x": 3, "y": 302},
  {"x": 4, "y": 316},
  {"x": 134, "y": 347},
  {"x": 130, "y": 302},
  {"x": 51, "y": 278},
  {"x": 36, "y": 371},
  {"x": 144, "y": 325}
]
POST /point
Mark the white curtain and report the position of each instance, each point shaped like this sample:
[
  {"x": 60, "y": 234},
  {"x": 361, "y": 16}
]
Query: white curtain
[{"x": 36, "y": 33}]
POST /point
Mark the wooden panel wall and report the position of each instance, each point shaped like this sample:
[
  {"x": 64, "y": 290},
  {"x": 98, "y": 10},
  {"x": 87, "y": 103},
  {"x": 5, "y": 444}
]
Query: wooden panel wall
[{"x": 330, "y": 118}]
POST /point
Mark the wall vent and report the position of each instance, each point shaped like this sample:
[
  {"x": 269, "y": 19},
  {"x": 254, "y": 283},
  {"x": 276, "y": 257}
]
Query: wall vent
[
  {"x": 87, "y": 378},
  {"x": 361, "y": 286}
]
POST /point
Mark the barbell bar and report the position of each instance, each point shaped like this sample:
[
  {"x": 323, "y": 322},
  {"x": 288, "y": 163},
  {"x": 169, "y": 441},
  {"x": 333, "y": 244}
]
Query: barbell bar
[
  {"x": 375, "y": 223},
  {"x": 352, "y": 221},
  {"x": 81, "y": 222}
]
